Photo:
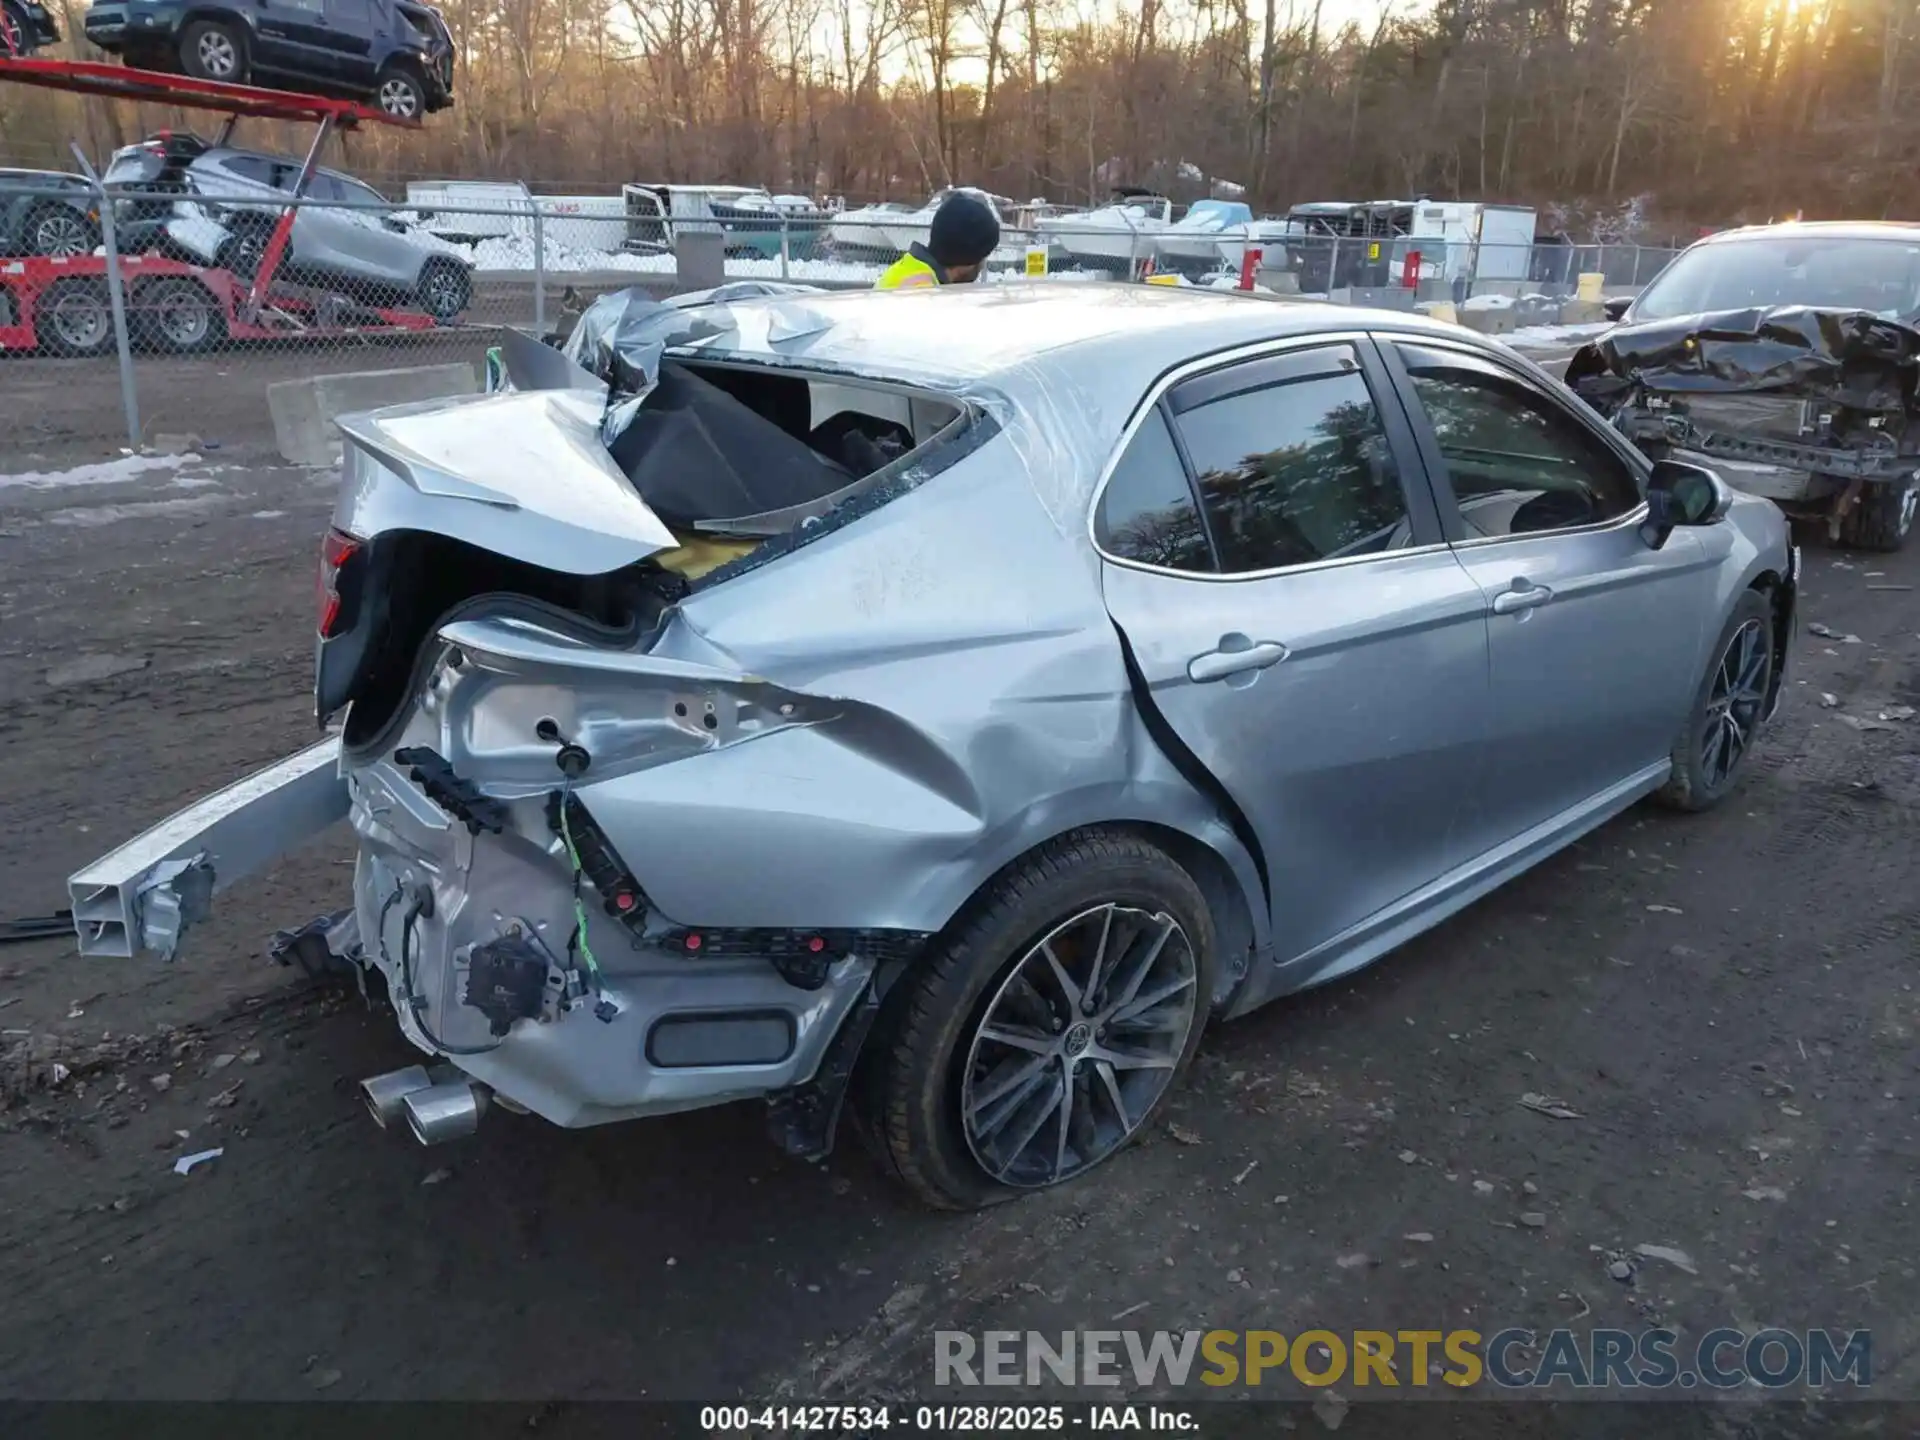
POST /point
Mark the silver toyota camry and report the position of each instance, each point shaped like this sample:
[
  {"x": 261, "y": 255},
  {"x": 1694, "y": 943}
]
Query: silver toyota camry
[{"x": 945, "y": 705}]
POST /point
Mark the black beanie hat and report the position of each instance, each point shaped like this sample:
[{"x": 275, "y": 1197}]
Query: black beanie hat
[{"x": 964, "y": 231}]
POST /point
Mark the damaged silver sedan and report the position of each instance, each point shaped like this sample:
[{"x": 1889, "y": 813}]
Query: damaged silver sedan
[{"x": 948, "y": 704}]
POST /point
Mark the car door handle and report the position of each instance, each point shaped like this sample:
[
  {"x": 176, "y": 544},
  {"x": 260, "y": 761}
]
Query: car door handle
[
  {"x": 1523, "y": 595},
  {"x": 1219, "y": 664}
]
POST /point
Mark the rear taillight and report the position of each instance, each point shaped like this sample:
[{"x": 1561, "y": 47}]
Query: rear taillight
[{"x": 335, "y": 551}]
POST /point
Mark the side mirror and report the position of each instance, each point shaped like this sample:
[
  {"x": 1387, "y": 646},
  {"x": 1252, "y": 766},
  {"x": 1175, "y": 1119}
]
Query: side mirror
[
  {"x": 1616, "y": 308},
  {"x": 1680, "y": 494}
]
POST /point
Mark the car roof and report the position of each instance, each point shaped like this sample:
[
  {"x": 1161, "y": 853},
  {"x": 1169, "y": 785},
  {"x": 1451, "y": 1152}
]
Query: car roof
[
  {"x": 967, "y": 331},
  {"x": 1062, "y": 364},
  {"x": 1818, "y": 229}
]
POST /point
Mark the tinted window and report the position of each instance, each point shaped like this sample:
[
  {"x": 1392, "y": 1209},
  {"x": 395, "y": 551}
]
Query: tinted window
[
  {"x": 1518, "y": 465},
  {"x": 1147, "y": 511},
  {"x": 358, "y": 194},
  {"x": 249, "y": 167},
  {"x": 1295, "y": 473}
]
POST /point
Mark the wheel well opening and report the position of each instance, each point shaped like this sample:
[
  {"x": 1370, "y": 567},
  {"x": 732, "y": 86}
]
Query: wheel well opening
[
  {"x": 1226, "y": 901},
  {"x": 1779, "y": 604}
]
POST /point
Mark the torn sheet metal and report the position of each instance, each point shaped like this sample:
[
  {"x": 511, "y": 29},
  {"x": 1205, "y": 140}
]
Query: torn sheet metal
[
  {"x": 1794, "y": 388},
  {"x": 621, "y": 337},
  {"x": 145, "y": 895},
  {"x": 1851, "y": 357}
]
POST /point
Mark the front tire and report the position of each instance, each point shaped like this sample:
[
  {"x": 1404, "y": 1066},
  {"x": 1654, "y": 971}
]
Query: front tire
[
  {"x": 1041, "y": 1033},
  {"x": 74, "y": 318},
  {"x": 400, "y": 93},
  {"x": 1882, "y": 518},
  {"x": 1726, "y": 717},
  {"x": 445, "y": 289}
]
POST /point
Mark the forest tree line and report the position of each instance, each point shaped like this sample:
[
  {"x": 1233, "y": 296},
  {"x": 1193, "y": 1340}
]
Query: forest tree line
[{"x": 1719, "y": 110}]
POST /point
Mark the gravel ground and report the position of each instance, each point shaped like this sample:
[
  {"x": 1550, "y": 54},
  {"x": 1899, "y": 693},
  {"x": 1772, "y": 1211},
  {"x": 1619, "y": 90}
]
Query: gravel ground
[{"x": 1726, "y": 1003}]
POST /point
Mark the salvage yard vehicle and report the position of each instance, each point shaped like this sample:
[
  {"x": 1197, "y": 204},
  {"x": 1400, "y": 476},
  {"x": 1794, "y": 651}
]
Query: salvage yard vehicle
[
  {"x": 955, "y": 701},
  {"x": 1788, "y": 355},
  {"x": 231, "y": 199},
  {"x": 47, "y": 212},
  {"x": 397, "y": 54},
  {"x": 26, "y": 26}
]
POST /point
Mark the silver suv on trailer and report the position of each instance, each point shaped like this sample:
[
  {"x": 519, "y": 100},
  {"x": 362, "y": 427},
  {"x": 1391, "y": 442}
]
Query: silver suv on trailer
[
  {"x": 229, "y": 199},
  {"x": 959, "y": 699}
]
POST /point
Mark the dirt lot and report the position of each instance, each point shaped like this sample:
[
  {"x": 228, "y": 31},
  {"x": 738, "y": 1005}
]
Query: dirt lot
[{"x": 1726, "y": 1002}]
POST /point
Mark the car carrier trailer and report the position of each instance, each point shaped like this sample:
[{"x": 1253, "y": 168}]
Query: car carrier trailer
[{"x": 67, "y": 306}]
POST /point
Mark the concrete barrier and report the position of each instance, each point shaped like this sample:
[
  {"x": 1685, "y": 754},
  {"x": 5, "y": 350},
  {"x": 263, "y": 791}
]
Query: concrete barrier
[{"x": 303, "y": 411}]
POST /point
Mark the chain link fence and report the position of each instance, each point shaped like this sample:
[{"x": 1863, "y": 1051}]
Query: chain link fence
[{"x": 131, "y": 314}]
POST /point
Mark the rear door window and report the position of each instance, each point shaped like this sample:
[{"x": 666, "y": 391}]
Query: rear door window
[{"x": 1298, "y": 471}]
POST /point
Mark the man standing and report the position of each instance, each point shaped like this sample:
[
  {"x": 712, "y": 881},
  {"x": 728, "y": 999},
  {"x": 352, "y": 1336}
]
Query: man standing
[{"x": 963, "y": 235}]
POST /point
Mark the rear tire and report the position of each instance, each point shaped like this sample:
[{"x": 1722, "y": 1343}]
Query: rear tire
[
  {"x": 74, "y": 318},
  {"x": 1725, "y": 721},
  {"x": 179, "y": 316},
  {"x": 1882, "y": 518},
  {"x": 401, "y": 93},
  {"x": 210, "y": 50},
  {"x": 996, "y": 1022}
]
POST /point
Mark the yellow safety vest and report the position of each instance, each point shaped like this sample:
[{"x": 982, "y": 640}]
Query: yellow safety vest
[{"x": 909, "y": 272}]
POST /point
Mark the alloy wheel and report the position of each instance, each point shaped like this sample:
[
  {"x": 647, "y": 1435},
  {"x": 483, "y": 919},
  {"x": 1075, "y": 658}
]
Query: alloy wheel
[
  {"x": 217, "y": 55},
  {"x": 1077, "y": 1045},
  {"x": 398, "y": 97},
  {"x": 441, "y": 294},
  {"x": 61, "y": 235},
  {"x": 1735, "y": 703}
]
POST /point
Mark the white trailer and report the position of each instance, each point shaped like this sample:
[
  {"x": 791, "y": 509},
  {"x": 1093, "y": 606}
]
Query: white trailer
[
  {"x": 1462, "y": 240},
  {"x": 567, "y": 222}
]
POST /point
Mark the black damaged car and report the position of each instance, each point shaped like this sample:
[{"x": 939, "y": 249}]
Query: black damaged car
[{"x": 1788, "y": 358}]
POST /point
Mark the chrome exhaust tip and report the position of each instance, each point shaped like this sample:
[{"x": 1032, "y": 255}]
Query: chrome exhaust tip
[
  {"x": 448, "y": 1111},
  {"x": 384, "y": 1093}
]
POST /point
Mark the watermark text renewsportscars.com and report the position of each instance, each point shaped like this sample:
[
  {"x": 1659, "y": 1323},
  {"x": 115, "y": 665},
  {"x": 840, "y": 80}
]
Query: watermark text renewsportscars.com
[{"x": 1402, "y": 1360}]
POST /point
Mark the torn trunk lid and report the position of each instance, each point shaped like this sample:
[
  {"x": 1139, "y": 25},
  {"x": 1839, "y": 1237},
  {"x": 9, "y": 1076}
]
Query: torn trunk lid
[{"x": 519, "y": 473}]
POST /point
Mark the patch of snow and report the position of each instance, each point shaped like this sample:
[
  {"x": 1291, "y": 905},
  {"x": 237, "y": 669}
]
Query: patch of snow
[
  {"x": 1488, "y": 302},
  {"x": 1544, "y": 336},
  {"x": 515, "y": 253},
  {"x": 96, "y": 515},
  {"x": 103, "y": 472}
]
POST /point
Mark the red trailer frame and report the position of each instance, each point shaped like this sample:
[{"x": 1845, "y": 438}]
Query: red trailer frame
[{"x": 248, "y": 311}]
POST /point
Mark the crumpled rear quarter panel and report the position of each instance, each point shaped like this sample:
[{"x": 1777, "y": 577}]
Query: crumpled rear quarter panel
[{"x": 988, "y": 709}]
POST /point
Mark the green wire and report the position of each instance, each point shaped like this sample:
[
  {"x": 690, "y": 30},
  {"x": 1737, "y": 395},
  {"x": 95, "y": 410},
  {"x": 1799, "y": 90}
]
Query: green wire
[{"x": 579, "y": 906}]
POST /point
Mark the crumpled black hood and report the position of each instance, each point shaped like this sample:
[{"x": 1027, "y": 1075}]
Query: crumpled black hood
[{"x": 1852, "y": 357}]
